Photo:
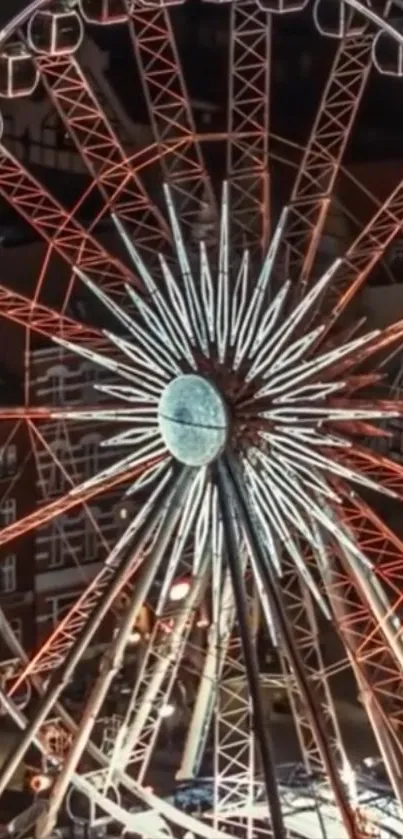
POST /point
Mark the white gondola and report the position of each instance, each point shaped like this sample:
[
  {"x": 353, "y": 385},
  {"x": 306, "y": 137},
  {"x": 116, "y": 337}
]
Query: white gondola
[
  {"x": 55, "y": 31},
  {"x": 18, "y": 74},
  {"x": 387, "y": 51},
  {"x": 337, "y": 20}
]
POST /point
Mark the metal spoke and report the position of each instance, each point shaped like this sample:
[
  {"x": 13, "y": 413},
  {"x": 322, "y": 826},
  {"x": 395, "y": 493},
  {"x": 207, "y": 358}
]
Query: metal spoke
[
  {"x": 61, "y": 677},
  {"x": 112, "y": 659},
  {"x": 249, "y": 653},
  {"x": 283, "y": 629}
]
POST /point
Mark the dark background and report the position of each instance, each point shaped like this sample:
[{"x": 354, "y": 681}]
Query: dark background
[{"x": 10, "y": 8}]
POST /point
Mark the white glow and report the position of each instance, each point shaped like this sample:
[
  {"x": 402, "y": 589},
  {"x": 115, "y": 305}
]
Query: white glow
[
  {"x": 167, "y": 711},
  {"x": 179, "y": 591}
]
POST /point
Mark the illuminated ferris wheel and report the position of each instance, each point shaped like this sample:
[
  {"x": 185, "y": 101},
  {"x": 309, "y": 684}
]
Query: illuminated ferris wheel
[{"x": 240, "y": 399}]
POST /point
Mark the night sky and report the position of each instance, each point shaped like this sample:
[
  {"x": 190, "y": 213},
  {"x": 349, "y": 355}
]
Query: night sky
[{"x": 10, "y": 8}]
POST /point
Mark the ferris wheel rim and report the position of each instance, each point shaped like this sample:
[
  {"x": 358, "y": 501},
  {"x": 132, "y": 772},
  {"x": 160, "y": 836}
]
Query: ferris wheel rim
[{"x": 20, "y": 18}]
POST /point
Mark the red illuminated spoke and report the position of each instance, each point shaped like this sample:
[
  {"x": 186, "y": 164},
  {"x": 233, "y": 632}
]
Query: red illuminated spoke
[
  {"x": 100, "y": 148},
  {"x": 170, "y": 112},
  {"x": 364, "y": 254},
  {"x": 319, "y": 167},
  {"x": 387, "y": 472},
  {"x": 282, "y": 533},
  {"x": 57, "y": 226},
  {"x": 47, "y": 322},
  {"x": 78, "y": 496},
  {"x": 379, "y": 679}
]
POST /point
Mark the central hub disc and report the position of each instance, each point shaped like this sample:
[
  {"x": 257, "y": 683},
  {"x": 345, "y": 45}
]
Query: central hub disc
[{"x": 193, "y": 420}]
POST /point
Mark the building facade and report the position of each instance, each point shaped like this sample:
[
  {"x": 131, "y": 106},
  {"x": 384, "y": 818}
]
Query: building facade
[
  {"x": 69, "y": 551},
  {"x": 17, "y": 496}
]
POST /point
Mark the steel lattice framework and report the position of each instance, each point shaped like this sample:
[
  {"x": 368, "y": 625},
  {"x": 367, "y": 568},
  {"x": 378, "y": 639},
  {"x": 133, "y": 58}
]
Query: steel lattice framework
[{"x": 200, "y": 283}]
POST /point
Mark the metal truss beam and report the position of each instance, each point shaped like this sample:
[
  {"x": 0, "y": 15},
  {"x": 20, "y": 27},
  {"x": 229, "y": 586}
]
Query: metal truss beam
[
  {"x": 378, "y": 679},
  {"x": 101, "y": 151},
  {"x": 234, "y": 737},
  {"x": 217, "y": 651},
  {"x": 170, "y": 113},
  {"x": 168, "y": 500},
  {"x": 223, "y": 699},
  {"x": 78, "y": 495},
  {"x": 154, "y": 685},
  {"x": 320, "y": 164},
  {"x": 372, "y": 651},
  {"x": 57, "y": 646},
  {"x": 47, "y": 322},
  {"x": 382, "y": 469},
  {"x": 384, "y": 549},
  {"x": 169, "y": 510},
  {"x": 312, "y": 708},
  {"x": 58, "y": 227},
  {"x": 248, "y": 124},
  {"x": 362, "y": 256},
  {"x": 302, "y": 619}
]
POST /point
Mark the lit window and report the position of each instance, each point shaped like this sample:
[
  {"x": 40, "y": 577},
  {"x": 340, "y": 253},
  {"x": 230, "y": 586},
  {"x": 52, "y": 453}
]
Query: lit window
[
  {"x": 90, "y": 542},
  {"x": 8, "y": 461},
  {"x": 8, "y": 512},
  {"x": 8, "y": 574}
]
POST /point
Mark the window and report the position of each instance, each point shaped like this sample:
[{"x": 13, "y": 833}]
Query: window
[
  {"x": 8, "y": 461},
  {"x": 8, "y": 512},
  {"x": 58, "y": 607},
  {"x": 57, "y": 542},
  {"x": 91, "y": 445},
  {"x": 91, "y": 542},
  {"x": 51, "y": 472},
  {"x": 56, "y": 555},
  {"x": 395, "y": 253},
  {"x": 90, "y": 376},
  {"x": 16, "y": 626},
  {"x": 57, "y": 376},
  {"x": 8, "y": 574}
]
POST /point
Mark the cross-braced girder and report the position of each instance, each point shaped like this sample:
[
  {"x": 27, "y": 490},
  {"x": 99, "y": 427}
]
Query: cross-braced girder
[
  {"x": 107, "y": 162},
  {"x": 204, "y": 315},
  {"x": 358, "y": 622},
  {"x": 313, "y": 188},
  {"x": 234, "y": 737},
  {"x": 79, "y": 495},
  {"x": 44, "y": 321},
  {"x": 363, "y": 255},
  {"x": 303, "y": 620},
  {"x": 247, "y": 162},
  {"x": 58, "y": 226},
  {"x": 171, "y": 114},
  {"x": 154, "y": 685}
]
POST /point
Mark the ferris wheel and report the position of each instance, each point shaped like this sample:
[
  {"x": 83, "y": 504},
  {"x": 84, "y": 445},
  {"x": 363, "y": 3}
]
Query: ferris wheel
[{"x": 239, "y": 411}]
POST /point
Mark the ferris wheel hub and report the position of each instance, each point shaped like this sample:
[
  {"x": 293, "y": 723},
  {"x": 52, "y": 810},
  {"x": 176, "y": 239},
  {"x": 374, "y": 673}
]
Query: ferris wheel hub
[{"x": 193, "y": 420}]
